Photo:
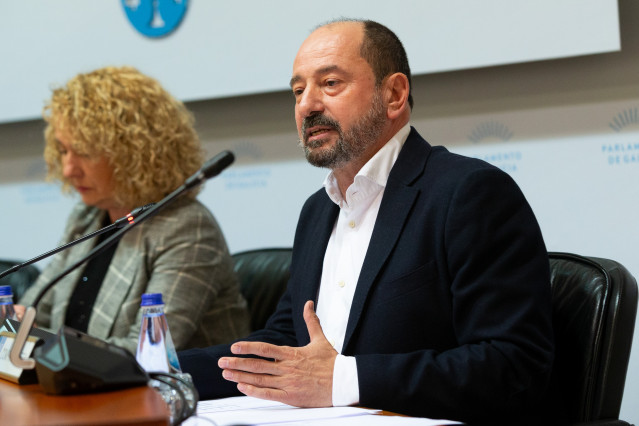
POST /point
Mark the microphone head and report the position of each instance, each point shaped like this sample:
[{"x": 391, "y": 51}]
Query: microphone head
[
  {"x": 139, "y": 210},
  {"x": 215, "y": 165},
  {"x": 211, "y": 168}
]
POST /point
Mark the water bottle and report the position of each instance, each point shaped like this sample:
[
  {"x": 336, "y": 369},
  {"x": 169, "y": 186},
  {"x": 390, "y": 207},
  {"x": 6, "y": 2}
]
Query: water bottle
[
  {"x": 156, "y": 351},
  {"x": 6, "y": 304}
]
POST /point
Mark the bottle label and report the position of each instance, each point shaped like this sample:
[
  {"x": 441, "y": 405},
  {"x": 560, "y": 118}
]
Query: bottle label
[{"x": 172, "y": 354}]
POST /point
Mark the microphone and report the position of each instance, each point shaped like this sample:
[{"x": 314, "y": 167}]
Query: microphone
[
  {"x": 123, "y": 221},
  {"x": 75, "y": 362},
  {"x": 211, "y": 168}
]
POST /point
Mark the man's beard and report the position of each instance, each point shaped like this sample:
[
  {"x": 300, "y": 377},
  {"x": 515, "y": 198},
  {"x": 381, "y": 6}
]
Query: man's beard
[{"x": 351, "y": 143}]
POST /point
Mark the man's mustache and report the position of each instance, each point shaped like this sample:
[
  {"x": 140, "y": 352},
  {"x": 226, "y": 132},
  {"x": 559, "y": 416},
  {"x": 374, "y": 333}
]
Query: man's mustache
[{"x": 319, "y": 120}]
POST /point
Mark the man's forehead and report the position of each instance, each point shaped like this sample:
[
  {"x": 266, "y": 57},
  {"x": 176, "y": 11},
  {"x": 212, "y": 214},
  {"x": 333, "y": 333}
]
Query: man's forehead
[
  {"x": 337, "y": 33},
  {"x": 329, "y": 46}
]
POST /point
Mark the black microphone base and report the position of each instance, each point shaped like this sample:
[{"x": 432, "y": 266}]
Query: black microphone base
[{"x": 74, "y": 362}]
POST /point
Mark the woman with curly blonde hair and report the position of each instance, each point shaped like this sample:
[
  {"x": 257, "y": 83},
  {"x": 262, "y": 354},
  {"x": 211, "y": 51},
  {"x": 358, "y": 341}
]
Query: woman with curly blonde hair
[{"x": 119, "y": 140}]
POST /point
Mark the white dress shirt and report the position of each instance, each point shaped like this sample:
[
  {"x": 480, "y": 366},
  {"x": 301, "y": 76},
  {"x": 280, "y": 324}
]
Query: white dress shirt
[{"x": 345, "y": 254}]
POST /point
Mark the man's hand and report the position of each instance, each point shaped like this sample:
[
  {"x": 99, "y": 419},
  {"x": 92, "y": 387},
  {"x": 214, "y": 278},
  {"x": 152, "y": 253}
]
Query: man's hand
[{"x": 298, "y": 376}]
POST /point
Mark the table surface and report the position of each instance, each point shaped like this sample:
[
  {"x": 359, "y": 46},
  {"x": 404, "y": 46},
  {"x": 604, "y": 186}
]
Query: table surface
[{"x": 30, "y": 405}]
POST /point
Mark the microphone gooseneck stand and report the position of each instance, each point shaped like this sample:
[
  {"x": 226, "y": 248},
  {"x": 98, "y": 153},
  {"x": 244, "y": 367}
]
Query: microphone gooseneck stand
[{"x": 120, "y": 223}]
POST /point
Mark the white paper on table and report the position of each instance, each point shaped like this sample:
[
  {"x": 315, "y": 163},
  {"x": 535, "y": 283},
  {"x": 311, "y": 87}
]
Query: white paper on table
[
  {"x": 373, "y": 420},
  {"x": 245, "y": 410}
]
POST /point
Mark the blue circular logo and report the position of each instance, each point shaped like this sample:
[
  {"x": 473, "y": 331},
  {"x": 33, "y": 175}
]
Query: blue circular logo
[{"x": 155, "y": 18}]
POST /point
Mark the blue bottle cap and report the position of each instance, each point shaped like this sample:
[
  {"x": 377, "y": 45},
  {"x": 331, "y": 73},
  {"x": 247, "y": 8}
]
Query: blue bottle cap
[
  {"x": 5, "y": 290},
  {"x": 150, "y": 299}
]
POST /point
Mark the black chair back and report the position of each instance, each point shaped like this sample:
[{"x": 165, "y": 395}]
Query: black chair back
[
  {"x": 19, "y": 280},
  {"x": 263, "y": 276},
  {"x": 594, "y": 310}
]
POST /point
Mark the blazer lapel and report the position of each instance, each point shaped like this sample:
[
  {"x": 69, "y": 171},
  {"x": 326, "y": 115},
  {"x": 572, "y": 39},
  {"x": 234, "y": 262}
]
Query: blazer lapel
[
  {"x": 122, "y": 273},
  {"x": 399, "y": 197}
]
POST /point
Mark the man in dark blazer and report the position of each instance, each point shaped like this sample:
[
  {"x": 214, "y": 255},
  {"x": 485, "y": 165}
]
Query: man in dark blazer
[{"x": 448, "y": 314}]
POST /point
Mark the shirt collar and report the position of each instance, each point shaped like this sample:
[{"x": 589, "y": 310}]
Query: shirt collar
[{"x": 376, "y": 170}]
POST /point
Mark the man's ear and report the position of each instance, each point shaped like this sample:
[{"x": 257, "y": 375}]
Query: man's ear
[{"x": 396, "y": 91}]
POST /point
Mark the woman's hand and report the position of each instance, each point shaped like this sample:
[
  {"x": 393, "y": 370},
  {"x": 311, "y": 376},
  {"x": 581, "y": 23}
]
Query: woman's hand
[{"x": 20, "y": 309}]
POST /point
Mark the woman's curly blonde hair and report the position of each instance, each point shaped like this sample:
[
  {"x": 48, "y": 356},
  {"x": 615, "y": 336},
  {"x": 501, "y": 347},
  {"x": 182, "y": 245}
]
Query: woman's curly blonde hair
[{"x": 146, "y": 135}]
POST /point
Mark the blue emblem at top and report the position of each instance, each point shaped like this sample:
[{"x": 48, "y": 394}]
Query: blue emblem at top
[{"x": 155, "y": 18}]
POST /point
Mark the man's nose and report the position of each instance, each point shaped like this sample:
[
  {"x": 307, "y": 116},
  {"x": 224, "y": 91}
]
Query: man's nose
[{"x": 310, "y": 103}]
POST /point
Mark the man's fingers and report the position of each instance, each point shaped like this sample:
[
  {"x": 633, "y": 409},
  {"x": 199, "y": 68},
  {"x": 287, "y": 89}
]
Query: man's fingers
[
  {"x": 262, "y": 386},
  {"x": 263, "y": 393},
  {"x": 259, "y": 380},
  {"x": 251, "y": 365},
  {"x": 265, "y": 350}
]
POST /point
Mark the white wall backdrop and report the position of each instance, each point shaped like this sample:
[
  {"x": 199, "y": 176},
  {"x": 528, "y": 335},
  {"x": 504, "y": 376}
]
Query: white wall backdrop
[{"x": 232, "y": 48}]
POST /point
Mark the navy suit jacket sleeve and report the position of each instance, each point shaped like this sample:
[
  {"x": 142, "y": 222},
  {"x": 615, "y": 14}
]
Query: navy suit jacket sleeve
[{"x": 451, "y": 317}]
